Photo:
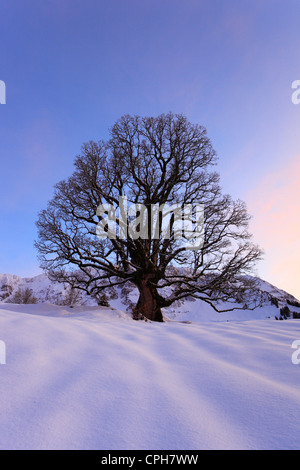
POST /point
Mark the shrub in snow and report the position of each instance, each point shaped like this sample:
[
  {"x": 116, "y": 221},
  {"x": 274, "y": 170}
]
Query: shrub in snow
[
  {"x": 112, "y": 293},
  {"x": 22, "y": 296},
  {"x": 72, "y": 297},
  {"x": 294, "y": 303},
  {"x": 102, "y": 300},
  {"x": 285, "y": 312},
  {"x": 274, "y": 301},
  {"x": 6, "y": 291},
  {"x": 125, "y": 293}
]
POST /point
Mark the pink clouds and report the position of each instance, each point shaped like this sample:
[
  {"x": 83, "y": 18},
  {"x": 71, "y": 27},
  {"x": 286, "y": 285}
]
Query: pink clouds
[{"x": 274, "y": 204}]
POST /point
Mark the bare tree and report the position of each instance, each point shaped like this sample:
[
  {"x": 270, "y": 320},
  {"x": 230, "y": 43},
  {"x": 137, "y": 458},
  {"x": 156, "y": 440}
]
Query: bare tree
[
  {"x": 72, "y": 297},
  {"x": 154, "y": 162}
]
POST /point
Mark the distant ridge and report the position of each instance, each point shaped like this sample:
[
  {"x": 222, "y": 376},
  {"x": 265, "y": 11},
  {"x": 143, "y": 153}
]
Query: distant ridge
[{"x": 275, "y": 300}]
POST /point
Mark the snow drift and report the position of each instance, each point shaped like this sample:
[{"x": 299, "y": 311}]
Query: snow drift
[{"x": 93, "y": 378}]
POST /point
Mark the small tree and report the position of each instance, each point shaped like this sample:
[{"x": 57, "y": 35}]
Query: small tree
[
  {"x": 6, "y": 291},
  {"x": 72, "y": 297},
  {"x": 102, "y": 300},
  {"x": 285, "y": 312},
  {"x": 154, "y": 163},
  {"x": 22, "y": 296}
]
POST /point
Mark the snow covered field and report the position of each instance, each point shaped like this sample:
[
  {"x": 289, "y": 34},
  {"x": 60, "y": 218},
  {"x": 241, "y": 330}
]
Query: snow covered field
[{"x": 90, "y": 378}]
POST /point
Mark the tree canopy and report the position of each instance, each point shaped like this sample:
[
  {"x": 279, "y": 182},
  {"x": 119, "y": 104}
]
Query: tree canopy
[{"x": 99, "y": 229}]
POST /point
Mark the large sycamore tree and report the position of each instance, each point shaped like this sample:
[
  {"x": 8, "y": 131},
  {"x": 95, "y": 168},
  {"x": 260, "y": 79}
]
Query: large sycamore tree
[{"x": 149, "y": 162}]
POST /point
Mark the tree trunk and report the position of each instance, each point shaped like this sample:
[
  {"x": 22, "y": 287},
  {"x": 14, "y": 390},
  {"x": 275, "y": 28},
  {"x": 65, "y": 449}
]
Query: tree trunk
[{"x": 148, "y": 304}]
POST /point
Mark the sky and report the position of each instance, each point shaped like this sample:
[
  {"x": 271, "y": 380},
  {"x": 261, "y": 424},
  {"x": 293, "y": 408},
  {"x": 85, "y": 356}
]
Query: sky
[{"x": 71, "y": 68}]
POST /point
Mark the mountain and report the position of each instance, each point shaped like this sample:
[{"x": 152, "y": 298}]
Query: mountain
[{"x": 275, "y": 303}]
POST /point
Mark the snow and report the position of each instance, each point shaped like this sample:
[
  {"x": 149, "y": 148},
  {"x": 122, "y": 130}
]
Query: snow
[{"x": 93, "y": 378}]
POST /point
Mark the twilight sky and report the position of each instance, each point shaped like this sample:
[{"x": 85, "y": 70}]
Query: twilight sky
[{"x": 72, "y": 67}]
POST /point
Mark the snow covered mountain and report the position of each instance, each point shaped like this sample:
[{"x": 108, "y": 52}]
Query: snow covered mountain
[{"x": 276, "y": 303}]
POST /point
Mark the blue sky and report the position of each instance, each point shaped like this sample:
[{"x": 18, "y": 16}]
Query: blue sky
[{"x": 73, "y": 67}]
